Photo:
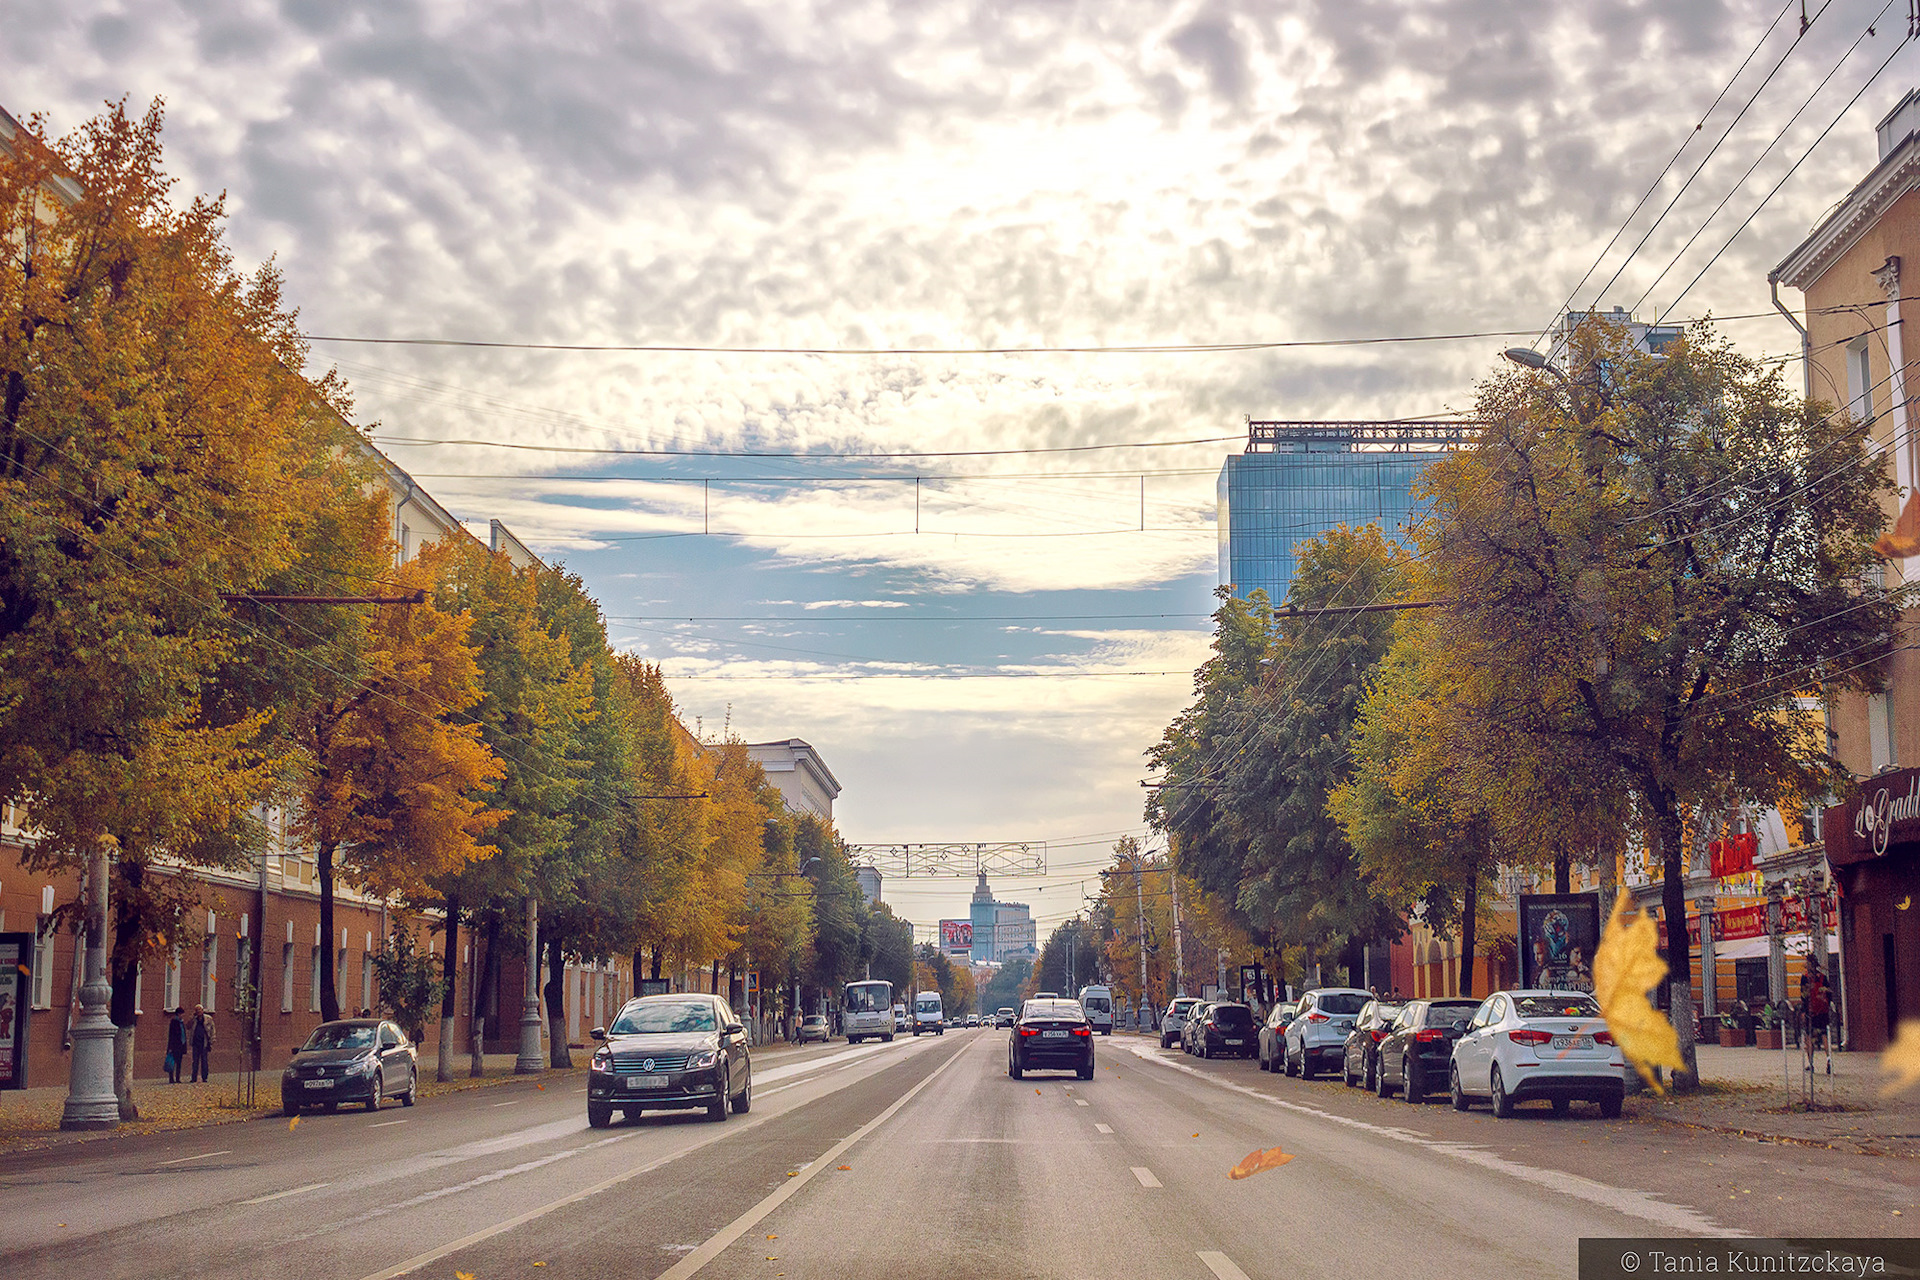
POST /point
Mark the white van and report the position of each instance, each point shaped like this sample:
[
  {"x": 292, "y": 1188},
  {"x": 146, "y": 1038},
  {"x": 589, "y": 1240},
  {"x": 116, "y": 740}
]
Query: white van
[
  {"x": 927, "y": 1015},
  {"x": 1097, "y": 1004}
]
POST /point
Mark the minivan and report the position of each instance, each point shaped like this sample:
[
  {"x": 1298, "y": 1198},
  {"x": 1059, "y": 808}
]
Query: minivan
[
  {"x": 927, "y": 1014},
  {"x": 1097, "y": 1004}
]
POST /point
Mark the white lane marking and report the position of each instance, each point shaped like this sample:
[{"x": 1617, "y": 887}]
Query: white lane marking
[
  {"x": 1634, "y": 1204},
  {"x": 1221, "y": 1265},
  {"x": 1145, "y": 1176},
  {"x": 1104, "y": 1128},
  {"x": 282, "y": 1195},
  {"x": 486, "y": 1233},
  {"x": 384, "y": 1123},
  {"x": 714, "y": 1247},
  {"x": 1079, "y": 1102},
  {"x": 204, "y": 1155},
  {"x": 516, "y": 1102}
]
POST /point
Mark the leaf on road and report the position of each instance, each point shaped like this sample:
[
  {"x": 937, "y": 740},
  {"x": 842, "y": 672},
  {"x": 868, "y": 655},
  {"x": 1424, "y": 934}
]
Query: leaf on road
[
  {"x": 843, "y": 1167},
  {"x": 293, "y": 1122},
  {"x": 1257, "y": 1161},
  {"x": 1627, "y": 965},
  {"x": 463, "y": 1275},
  {"x": 773, "y": 1237},
  {"x": 1902, "y": 1059}
]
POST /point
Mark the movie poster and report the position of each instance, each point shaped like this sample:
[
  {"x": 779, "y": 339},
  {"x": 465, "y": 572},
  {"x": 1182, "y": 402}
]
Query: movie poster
[
  {"x": 16, "y": 955},
  {"x": 1558, "y": 936}
]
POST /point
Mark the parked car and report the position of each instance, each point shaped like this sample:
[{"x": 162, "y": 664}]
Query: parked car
[
  {"x": 670, "y": 1052},
  {"x": 352, "y": 1060},
  {"x": 1317, "y": 1036},
  {"x": 1226, "y": 1030},
  {"x": 1524, "y": 1045},
  {"x": 1360, "y": 1053},
  {"x": 1418, "y": 1049},
  {"x": 1174, "y": 1021},
  {"x": 814, "y": 1027},
  {"x": 1272, "y": 1032},
  {"x": 1195, "y": 1016},
  {"x": 1051, "y": 1035}
]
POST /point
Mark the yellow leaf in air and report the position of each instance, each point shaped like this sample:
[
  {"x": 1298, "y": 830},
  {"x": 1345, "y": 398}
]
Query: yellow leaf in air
[
  {"x": 1257, "y": 1161},
  {"x": 1627, "y": 965},
  {"x": 1902, "y": 1059}
]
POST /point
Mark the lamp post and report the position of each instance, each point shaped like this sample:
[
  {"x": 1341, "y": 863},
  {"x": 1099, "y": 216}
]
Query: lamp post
[
  {"x": 529, "y": 1062},
  {"x": 91, "y": 1102}
]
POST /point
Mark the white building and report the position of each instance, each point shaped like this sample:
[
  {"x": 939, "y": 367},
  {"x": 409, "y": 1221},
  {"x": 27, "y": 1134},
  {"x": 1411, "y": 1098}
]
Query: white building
[{"x": 802, "y": 778}]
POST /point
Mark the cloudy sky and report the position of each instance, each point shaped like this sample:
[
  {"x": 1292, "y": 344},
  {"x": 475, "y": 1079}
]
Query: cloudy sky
[{"x": 976, "y": 582}]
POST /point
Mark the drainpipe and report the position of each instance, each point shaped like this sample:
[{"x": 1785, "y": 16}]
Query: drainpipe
[{"x": 1806, "y": 342}]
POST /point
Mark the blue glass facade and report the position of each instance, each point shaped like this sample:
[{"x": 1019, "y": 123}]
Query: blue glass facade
[{"x": 1269, "y": 502}]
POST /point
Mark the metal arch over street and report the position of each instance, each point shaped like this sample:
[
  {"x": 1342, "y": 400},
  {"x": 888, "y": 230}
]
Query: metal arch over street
[{"x": 1021, "y": 858}]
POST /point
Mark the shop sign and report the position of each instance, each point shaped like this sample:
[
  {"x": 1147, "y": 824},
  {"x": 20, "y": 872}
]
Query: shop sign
[{"x": 1886, "y": 813}]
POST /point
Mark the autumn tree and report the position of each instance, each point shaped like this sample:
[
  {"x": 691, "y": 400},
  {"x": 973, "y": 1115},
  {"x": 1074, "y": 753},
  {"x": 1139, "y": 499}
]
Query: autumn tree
[
  {"x": 886, "y": 946},
  {"x": 839, "y": 907},
  {"x": 391, "y": 783},
  {"x": 1651, "y": 563}
]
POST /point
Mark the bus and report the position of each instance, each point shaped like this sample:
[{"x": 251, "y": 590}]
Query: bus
[{"x": 866, "y": 1011}]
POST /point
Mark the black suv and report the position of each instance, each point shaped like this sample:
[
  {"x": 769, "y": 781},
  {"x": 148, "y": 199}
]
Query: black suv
[{"x": 1226, "y": 1031}]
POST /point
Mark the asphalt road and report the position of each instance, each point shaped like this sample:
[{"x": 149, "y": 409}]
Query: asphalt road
[{"x": 950, "y": 1167}]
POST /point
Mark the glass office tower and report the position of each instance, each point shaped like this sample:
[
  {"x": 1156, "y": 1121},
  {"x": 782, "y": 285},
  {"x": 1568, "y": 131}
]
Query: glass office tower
[{"x": 1297, "y": 480}]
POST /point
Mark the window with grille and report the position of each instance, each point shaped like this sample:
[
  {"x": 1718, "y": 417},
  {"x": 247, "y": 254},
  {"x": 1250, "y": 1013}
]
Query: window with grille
[{"x": 286, "y": 977}]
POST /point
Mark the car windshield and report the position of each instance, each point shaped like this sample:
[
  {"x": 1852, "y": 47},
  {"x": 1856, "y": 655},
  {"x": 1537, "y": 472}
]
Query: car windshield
[
  {"x": 341, "y": 1036},
  {"x": 663, "y": 1017},
  {"x": 869, "y": 997},
  {"x": 816, "y": 1019},
  {"x": 1101, "y": 1003},
  {"x": 1341, "y": 1002},
  {"x": 1053, "y": 1010},
  {"x": 1572, "y": 1005}
]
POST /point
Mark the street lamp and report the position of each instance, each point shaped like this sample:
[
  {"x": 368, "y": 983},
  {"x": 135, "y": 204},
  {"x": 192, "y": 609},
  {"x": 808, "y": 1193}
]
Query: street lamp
[{"x": 1529, "y": 357}]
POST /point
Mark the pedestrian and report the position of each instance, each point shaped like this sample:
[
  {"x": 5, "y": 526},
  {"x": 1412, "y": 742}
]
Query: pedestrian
[
  {"x": 202, "y": 1042},
  {"x": 176, "y": 1045},
  {"x": 1818, "y": 1006}
]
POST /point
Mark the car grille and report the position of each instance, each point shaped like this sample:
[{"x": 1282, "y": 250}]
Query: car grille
[{"x": 635, "y": 1064}]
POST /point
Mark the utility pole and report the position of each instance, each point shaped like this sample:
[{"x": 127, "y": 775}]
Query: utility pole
[
  {"x": 1179, "y": 949},
  {"x": 1140, "y": 918}
]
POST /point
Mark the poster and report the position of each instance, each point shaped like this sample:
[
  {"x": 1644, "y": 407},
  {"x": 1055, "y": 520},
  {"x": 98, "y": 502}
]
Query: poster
[
  {"x": 16, "y": 961},
  {"x": 1558, "y": 936}
]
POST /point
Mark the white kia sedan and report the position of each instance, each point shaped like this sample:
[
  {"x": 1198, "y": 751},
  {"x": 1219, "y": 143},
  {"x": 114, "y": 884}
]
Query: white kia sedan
[{"x": 1521, "y": 1046}]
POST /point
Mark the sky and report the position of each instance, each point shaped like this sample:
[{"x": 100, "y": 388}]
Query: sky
[{"x": 977, "y": 581}]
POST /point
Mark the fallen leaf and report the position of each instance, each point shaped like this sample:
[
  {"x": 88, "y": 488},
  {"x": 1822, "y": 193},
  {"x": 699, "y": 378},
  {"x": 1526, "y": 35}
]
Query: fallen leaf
[
  {"x": 463, "y": 1275},
  {"x": 773, "y": 1237},
  {"x": 793, "y": 1173},
  {"x": 1257, "y": 1161},
  {"x": 1902, "y": 1059},
  {"x": 1627, "y": 965},
  {"x": 293, "y": 1122},
  {"x": 539, "y": 1264},
  {"x": 844, "y": 1167},
  {"x": 1196, "y": 1135},
  {"x": 542, "y": 1088},
  {"x": 1036, "y": 1091}
]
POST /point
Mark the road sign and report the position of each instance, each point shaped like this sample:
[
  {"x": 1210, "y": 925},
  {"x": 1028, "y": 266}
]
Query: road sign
[{"x": 753, "y": 984}]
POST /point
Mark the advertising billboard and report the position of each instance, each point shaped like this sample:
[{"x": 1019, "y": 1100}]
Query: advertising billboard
[
  {"x": 16, "y": 986},
  {"x": 956, "y": 936},
  {"x": 1558, "y": 936}
]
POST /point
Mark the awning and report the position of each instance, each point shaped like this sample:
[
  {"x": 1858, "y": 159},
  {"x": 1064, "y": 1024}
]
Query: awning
[{"x": 1756, "y": 948}]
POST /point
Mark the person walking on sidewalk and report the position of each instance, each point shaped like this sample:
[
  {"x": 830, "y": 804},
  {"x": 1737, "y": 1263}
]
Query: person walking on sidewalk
[
  {"x": 202, "y": 1041},
  {"x": 176, "y": 1046}
]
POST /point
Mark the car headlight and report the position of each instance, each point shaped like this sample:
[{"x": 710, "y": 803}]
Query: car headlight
[
  {"x": 603, "y": 1059},
  {"x": 705, "y": 1058},
  {"x": 366, "y": 1066}
]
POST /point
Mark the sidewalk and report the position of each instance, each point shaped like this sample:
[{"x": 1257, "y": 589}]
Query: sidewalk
[{"x": 1763, "y": 1093}]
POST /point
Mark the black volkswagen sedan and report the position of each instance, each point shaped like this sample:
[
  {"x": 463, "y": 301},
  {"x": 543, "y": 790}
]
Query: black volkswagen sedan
[
  {"x": 1051, "y": 1035},
  {"x": 353, "y": 1060},
  {"x": 1417, "y": 1051},
  {"x": 670, "y": 1052}
]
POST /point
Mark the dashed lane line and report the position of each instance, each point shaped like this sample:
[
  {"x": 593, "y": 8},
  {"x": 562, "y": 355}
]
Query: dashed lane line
[
  {"x": 1079, "y": 1102},
  {"x": 204, "y": 1155},
  {"x": 1145, "y": 1177},
  {"x": 385, "y": 1123},
  {"x": 282, "y": 1195},
  {"x": 1221, "y": 1265},
  {"x": 1104, "y": 1128}
]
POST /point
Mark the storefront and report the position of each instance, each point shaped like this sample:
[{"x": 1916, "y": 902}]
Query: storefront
[{"x": 1873, "y": 845}]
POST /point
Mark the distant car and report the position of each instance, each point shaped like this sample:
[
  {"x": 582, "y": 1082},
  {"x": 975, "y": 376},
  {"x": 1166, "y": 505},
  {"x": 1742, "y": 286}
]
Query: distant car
[
  {"x": 1418, "y": 1049},
  {"x": 1097, "y": 1003},
  {"x": 1195, "y": 1016},
  {"x": 1051, "y": 1035},
  {"x": 670, "y": 1052},
  {"x": 1046, "y": 995},
  {"x": 1226, "y": 1030},
  {"x": 352, "y": 1060},
  {"x": 814, "y": 1027},
  {"x": 1523, "y": 1045},
  {"x": 1273, "y": 1032},
  {"x": 1317, "y": 1036},
  {"x": 1361, "y": 1051},
  {"x": 1174, "y": 1021},
  {"x": 1003, "y": 1018},
  {"x": 899, "y": 1017}
]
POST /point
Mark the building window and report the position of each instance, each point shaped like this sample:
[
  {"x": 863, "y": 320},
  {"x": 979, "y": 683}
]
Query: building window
[
  {"x": 1859, "y": 381},
  {"x": 170, "y": 985},
  {"x": 209, "y": 973},
  {"x": 139, "y": 983},
  {"x": 286, "y": 977},
  {"x": 43, "y": 965},
  {"x": 314, "y": 975},
  {"x": 340, "y": 975},
  {"x": 242, "y": 975},
  {"x": 366, "y": 980},
  {"x": 1880, "y": 732}
]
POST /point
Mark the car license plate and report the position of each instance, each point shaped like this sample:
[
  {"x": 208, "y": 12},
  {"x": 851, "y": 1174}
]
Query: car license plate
[
  {"x": 1573, "y": 1042},
  {"x": 1236, "y": 1042},
  {"x": 1053, "y": 1035},
  {"x": 319, "y": 1084},
  {"x": 646, "y": 1082}
]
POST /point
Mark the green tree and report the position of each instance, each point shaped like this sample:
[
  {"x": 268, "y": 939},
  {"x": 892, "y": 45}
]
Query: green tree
[
  {"x": 1652, "y": 566},
  {"x": 887, "y": 947}
]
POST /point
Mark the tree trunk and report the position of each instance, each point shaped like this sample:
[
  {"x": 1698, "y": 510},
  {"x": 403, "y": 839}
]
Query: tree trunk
[
  {"x": 715, "y": 984},
  {"x": 1563, "y": 873},
  {"x": 656, "y": 963},
  {"x": 1469, "y": 920},
  {"x": 1673, "y": 910},
  {"x": 638, "y": 962},
  {"x": 482, "y": 998},
  {"x": 557, "y": 1047},
  {"x": 128, "y": 922},
  {"x": 329, "y": 996},
  {"x": 450, "y": 999}
]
